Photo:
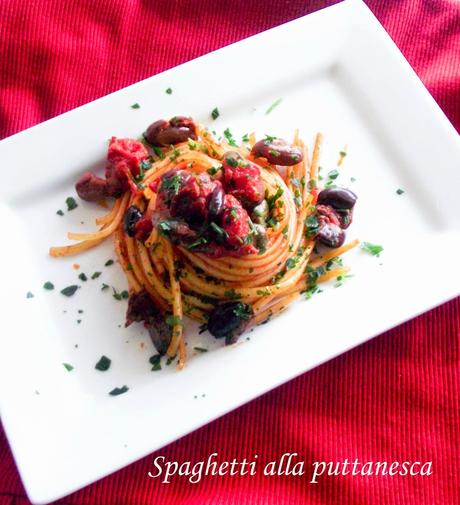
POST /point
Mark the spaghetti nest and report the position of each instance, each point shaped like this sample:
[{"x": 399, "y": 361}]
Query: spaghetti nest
[{"x": 184, "y": 280}]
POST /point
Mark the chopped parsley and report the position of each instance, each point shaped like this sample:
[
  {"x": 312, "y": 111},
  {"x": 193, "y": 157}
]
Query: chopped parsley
[
  {"x": 373, "y": 249},
  {"x": 71, "y": 203},
  {"x": 400, "y": 191},
  {"x": 213, "y": 170},
  {"x": 29, "y": 294},
  {"x": 108, "y": 263},
  {"x": 158, "y": 152},
  {"x": 312, "y": 184},
  {"x": 60, "y": 213},
  {"x": 83, "y": 277},
  {"x": 103, "y": 364},
  {"x": 264, "y": 292},
  {"x": 215, "y": 113},
  {"x": 229, "y": 137},
  {"x": 69, "y": 290},
  {"x": 96, "y": 275},
  {"x": 48, "y": 285},
  {"x": 231, "y": 294},
  {"x": 333, "y": 174},
  {"x": 123, "y": 295},
  {"x": 68, "y": 366},
  {"x": 192, "y": 145},
  {"x": 175, "y": 153},
  {"x": 199, "y": 241},
  {"x": 271, "y": 199},
  {"x": 119, "y": 391},
  {"x": 311, "y": 226},
  {"x": 155, "y": 361},
  {"x": 168, "y": 91},
  {"x": 104, "y": 287},
  {"x": 174, "y": 321},
  {"x": 243, "y": 311},
  {"x": 245, "y": 138},
  {"x": 311, "y": 291},
  {"x": 135, "y": 106},
  {"x": 273, "y": 105},
  {"x": 200, "y": 349},
  {"x": 171, "y": 184}
]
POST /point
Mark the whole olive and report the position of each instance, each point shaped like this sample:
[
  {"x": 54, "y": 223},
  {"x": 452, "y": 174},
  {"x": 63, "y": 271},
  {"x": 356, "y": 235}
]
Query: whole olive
[
  {"x": 132, "y": 216},
  {"x": 260, "y": 212},
  {"x": 277, "y": 151},
  {"x": 331, "y": 235},
  {"x": 260, "y": 238},
  {"x": 164, "y": 133},
  {"x": 216, "y": 203},
  {"x": 228, "y": 320},
  {"x": 339, "y": 198},
  {"x": 91, "y": 188}
]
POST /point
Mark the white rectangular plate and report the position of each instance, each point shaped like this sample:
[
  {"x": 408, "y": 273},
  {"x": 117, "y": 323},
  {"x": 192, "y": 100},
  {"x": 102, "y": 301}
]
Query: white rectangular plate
[{"x": 338, "y": 72}]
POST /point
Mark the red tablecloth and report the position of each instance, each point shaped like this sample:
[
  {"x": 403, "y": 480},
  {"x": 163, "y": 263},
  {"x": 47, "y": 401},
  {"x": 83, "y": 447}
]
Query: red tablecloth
[{"x": 394, "y": 398}]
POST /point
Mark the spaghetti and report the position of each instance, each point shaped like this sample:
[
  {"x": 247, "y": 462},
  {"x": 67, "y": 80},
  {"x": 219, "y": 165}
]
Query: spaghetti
[{"x": 227, "y": 235}]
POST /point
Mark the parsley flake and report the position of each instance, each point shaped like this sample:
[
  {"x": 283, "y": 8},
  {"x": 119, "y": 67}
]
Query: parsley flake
[
  {"x": 273, "y": 106},
  {"x": 135, "y": 106},
  {"x": 71, "y": 203},
  {"x": 68, "y": 366},
  {"x": 373, "y": 249},
  {"x": 48, "y": 285},
  {"x": 103, "y": 364},
  {"x": 119, "y": 391},
  {"x": 69, "y": 290},
  {"x": 215, "y": 113}
]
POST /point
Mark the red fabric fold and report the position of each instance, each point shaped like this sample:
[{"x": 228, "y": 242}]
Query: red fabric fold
[{"x": 394, "y": 398}]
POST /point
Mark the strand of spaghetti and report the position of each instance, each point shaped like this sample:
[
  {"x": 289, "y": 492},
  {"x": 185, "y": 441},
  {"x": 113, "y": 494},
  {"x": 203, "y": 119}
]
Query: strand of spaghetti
[
  {"x": 149, "y": 275},
  {"x": 275, "y": 309},
  {"x": 315, "y": 161},
  {"x": 68, "y": 250},
  {"x": 105, "y": 232},
  {"x": 176, "y": 302},
  {"x": 107, "y": 218},
  {"x": 182, "y": 354},
  {"x": 334, "y": 253},
  {"x": 133, "y": 283}
]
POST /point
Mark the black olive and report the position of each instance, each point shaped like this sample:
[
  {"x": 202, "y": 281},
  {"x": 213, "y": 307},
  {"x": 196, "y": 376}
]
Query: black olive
[
  {"x": 229, "y": 320},
  {"x": 216, "y": 203},
  {"x": 132, "y": 216},
  {"x": 331, "y": 235},
  {"x": 164, "y": 133},
  {"x": 339, "y": 198},
  {"x": 277, "y": 152}
]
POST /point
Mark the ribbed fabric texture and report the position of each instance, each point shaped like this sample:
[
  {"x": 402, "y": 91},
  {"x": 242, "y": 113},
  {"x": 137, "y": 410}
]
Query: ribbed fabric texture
[{"x": 394, "y": 398}]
